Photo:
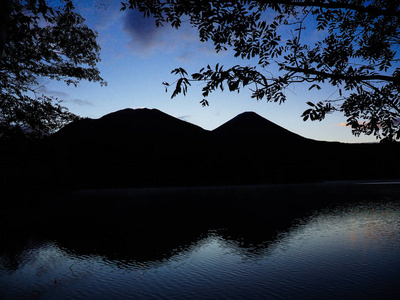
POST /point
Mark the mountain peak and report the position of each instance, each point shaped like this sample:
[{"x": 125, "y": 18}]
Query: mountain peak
[
  {"x": 128, "y": 123},
  {"x": 130, "y": 112},
  {"x": 248, "y": 113},
  {"x": 251, "y": 124}
]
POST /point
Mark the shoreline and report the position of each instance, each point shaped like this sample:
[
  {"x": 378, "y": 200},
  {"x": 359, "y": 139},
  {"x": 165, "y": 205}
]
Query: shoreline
[
  {"x": 169, "y": 217},
  {"x": 269, "y": 202}
]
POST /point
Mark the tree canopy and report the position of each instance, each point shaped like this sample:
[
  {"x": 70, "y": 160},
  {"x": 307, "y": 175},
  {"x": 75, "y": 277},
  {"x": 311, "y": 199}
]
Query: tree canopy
[
  {"x": 41, "y": 40},
  {"x": 356, "y": 53}
]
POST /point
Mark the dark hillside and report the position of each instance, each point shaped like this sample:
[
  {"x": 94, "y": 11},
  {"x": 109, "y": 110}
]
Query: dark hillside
[
  {"x": 128, "y": 123},
  {"x": 130, "y": 147},
  {"x": 255, "y": 149},
  {"x": 148, "y": 148},
  {"x": 252, "y": 125}
]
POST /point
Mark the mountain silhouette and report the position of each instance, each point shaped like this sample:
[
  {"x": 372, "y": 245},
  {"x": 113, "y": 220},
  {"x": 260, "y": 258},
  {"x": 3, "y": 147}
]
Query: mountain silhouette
[
  {"x": 252, "y": 125},
  {"x": 130, "y": 147},
  {"x": 148, "y": 148},
  {"x": 129, "y": 123}
]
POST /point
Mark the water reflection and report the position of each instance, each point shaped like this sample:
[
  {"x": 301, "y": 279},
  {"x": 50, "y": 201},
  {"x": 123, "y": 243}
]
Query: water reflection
[{"x": 350, "y": 252}]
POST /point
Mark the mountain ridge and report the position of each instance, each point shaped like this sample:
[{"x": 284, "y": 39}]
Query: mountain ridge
[
  {"x": 148, "y": 148},
  {"x": 152, "y": 121},
  {"x": 129, "y": 123},
  {"x": 251, "y": 124}
]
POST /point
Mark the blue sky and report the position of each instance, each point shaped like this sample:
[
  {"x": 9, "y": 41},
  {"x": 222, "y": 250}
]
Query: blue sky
[{"x": 137, "y": 57}]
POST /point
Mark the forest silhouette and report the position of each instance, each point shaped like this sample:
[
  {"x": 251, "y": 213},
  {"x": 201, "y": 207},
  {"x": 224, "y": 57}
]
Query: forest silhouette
[{"x": 148, "y": 148}]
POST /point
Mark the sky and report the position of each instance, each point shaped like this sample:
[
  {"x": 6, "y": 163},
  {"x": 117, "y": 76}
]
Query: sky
[{"x": 137, "y": 57}]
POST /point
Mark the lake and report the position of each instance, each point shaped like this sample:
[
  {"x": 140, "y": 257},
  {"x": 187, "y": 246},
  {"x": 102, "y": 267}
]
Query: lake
[{"x": 333, "y": 250}]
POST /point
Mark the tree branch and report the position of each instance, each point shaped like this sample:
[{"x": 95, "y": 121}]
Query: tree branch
[
  {"x": 343, "y": 76},
  {"x": 369, "y": 9}
]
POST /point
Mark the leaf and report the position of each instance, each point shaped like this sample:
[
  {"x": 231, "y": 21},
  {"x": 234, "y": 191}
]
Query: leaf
[
  {"x": 197, "y": 76},
  {"x": 204, "y": 103},
  {"x": 180, "y": 71},
  {"x": 178, "y": 88},
  {"x": 233, "y": 85},
  {"x": 314, "y": 86}
]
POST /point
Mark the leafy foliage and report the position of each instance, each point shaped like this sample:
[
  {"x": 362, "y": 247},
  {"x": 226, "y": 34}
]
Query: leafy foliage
[
  {"x": 356, "y": 54},
  {"x": 41, "y": 42}
]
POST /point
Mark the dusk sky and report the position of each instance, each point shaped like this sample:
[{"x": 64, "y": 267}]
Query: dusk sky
[{"x": 137, "y": 57}]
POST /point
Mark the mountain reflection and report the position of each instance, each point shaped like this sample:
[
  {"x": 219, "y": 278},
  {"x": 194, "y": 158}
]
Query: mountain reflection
[
  {"x": 148, "y": 225},
  {"x": 135, "y": 240},
  {"x": 334, "y": 252}
]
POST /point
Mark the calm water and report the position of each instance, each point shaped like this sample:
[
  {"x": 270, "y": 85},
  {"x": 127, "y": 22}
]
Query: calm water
[{"x": 347, "y": 252}]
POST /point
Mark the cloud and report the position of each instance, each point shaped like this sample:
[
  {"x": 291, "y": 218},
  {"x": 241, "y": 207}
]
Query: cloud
[
  {"x": 146, "y": 38},
  {"x": 395, "y": 122},
  {"x": 63, "y": 96},
  {"x": 108, "y": 20},
  {"x": 57, "y": 94},
  {"x": 343, "y": 124},
  {"x": 143, "y": 31},
  {"x": 142, "y": 36},
  {"x": 185, "y": 117},
  {"x": 102, "y": 14},
  {"x": 192, "y": 49},
  {"x": 80, "y": 102}
]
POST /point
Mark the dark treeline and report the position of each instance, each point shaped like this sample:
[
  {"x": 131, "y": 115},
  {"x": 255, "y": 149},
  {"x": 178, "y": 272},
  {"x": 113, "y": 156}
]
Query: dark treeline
[{"x": 147, "y": 148}]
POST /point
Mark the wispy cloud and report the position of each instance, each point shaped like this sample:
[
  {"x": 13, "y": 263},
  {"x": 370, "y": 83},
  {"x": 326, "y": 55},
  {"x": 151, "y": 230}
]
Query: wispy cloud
[
  {"x": 343, "y": 124},
  {"x": 191, "y": 48},
  {"x": 63, "y": 96},
  {"x": 102, "y": 14},
  {"x": 80, "y": 102},
  {"x": 184, "y": 118},
  {"x": 146, "y": 38},
  {"x": 57, "y": 94}
]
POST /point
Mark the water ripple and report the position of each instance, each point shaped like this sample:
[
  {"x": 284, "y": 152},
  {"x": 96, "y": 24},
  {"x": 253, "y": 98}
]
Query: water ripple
[{"x": 352, "y": 252}]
